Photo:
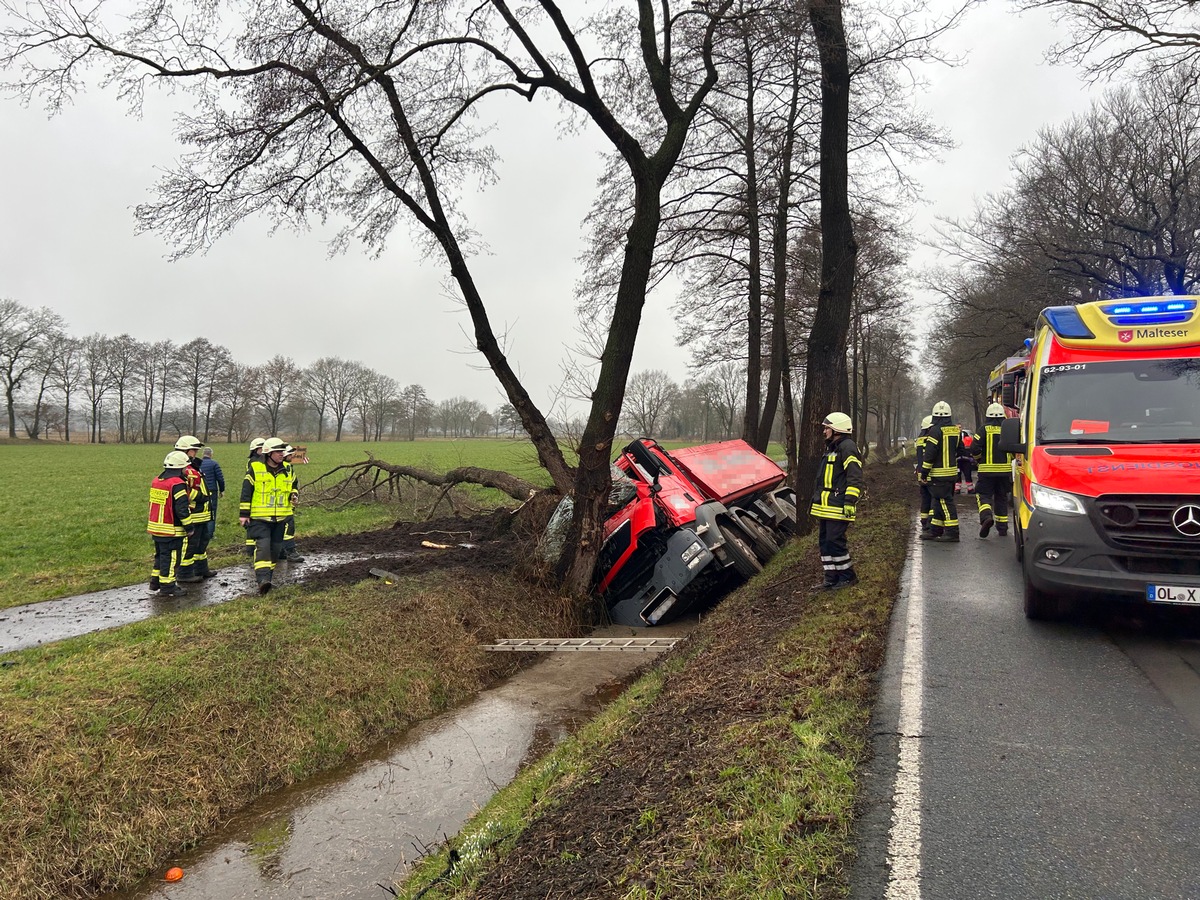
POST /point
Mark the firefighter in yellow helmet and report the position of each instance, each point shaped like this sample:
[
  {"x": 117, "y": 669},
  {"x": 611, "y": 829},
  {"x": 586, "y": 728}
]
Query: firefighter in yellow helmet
[
  {"x": 266, "y": 504},
  {"x": 169, "y": 510},
  {"x": 835, "y": 500},
  {"x": 939, "y": 471},
  {"x": 995, "y": 474},
  {"x": 926, "y": 498}
]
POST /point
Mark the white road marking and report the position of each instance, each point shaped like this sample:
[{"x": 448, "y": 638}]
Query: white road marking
[{"x": 904, "y": 838}]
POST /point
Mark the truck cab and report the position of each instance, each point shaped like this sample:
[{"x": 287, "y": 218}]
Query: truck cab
[{"x": 1106, "y": 472}]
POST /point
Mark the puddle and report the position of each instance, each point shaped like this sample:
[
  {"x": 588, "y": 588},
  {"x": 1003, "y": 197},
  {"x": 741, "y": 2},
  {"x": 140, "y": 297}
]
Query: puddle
[
  {"x": 54, "y": 620},
  {"x": 349, "y": 832}
]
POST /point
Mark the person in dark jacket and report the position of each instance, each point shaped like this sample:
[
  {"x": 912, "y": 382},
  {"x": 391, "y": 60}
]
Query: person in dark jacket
[
  {"x": 214, "y": 479},
  {"x": 995, "y": 474},
  {"x": 939, "y": 470},
  {"x": 926, "y": 499},
  {"x": 835, "y": 500}
]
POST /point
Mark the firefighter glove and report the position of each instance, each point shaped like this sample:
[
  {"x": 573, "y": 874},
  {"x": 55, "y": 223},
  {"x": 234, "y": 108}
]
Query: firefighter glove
[{"x": 849, "y": 511}]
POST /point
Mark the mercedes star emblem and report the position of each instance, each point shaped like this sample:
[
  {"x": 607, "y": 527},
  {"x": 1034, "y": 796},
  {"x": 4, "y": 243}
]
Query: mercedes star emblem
[{"x": 1186, "y": 520}]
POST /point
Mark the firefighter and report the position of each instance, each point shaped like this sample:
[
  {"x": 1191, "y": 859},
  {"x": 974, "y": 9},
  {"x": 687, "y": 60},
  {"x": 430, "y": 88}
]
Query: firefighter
[
  {"x": 926, "y": 499},
  {"x": 255, "y": 454},
  {"x": 290, "y": 553},
  {"x": 194, "y": 566},
  {"x": 966, "y": 462},
  {"x": 169, "y": 510},
  {"x": 835, "y": 500},
  {"x": 265, "y": 506},
  {"x": 939, "y": 469},
  {"x": 995, "y": 474}
]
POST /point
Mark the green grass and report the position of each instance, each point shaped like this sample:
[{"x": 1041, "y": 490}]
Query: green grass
[{"x": 75, "y": 514}]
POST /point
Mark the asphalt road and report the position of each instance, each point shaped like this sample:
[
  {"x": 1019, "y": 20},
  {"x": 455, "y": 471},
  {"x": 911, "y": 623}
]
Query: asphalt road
[{"x": 1017, "y": 759}]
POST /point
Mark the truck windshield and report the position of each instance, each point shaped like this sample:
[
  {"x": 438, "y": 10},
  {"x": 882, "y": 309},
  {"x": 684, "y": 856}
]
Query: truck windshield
[{"x": 1142, "y": 401}]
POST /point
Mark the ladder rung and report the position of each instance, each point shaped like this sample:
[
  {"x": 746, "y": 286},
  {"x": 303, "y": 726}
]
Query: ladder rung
[{"x": 565, "y": 645}]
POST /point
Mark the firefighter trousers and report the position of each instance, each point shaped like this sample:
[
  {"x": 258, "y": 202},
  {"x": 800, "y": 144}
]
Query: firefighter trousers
[
  {"x": 168, "y": 552},
  {"x": 268, "y": 546},
  {"x": 926, "y": 507},
  {"x": 945, "y": 512},
  {"x": 835, "y": 550},
  {"x": 992, "y": 493}
]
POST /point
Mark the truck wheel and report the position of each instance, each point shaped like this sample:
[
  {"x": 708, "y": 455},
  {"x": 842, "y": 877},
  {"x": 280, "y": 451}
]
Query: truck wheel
[
  {"x": 787, "y": 514},
  {"x": 765, "y": 543},
  {"x": 741, "y": 554}
]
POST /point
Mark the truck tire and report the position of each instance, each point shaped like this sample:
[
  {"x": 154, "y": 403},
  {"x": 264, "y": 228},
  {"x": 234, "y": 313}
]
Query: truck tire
[
  {"x": 741, "y": 554},
  {"x": 764, "y": 540},
  {"x": 788, "y": 523}
]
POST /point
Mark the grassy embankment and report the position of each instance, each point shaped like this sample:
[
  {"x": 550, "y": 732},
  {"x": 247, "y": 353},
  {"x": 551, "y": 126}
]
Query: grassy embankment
[
  {"x": 75, "y": 515},
  {"x": 126, "y": 746}
]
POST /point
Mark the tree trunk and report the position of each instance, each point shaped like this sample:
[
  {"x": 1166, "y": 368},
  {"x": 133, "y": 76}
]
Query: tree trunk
[{"x": 825, "y": 379}]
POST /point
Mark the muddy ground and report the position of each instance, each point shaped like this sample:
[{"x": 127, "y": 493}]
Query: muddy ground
[{"x": 667, "y": 764}]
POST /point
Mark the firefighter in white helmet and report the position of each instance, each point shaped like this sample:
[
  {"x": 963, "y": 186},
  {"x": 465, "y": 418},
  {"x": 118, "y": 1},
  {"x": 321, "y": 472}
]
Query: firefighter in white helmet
[
  {"x": 255, "y": 454},
  {"x": 939, "y": 471},
  {"x": 265, "y": 506},
  {"x": 926, "y": 499},
  {"x": 995, "y": 474},
  {"x": 835, "y": 500},
  {"x": 194, "y": 565},
  {"x": 169, "y": 511}
]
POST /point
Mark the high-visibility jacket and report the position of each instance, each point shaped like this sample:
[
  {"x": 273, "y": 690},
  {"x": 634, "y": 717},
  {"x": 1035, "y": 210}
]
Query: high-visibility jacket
[
  {"x": 987, "y": 451},
  {"x": 839, "y": 480},
  {"x": 266, "y": 492},
  {"x": 920, "y": 444},
  {"x": 939, "y": 460},
  {"x": 169, "y": 507},
  {"x": 197, "y": 495}
]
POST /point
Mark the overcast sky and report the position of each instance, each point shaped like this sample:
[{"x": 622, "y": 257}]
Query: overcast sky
[{"x": 68, "y": 187}]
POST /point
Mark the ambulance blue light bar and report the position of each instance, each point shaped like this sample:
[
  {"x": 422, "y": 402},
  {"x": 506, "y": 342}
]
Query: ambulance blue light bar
[
  {"x": 1066, "y": 322},
  {"x": 1161, "y": 311}
]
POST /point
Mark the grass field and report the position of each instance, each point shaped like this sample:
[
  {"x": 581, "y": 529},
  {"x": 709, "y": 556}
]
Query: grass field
[{"x": 74, "y": 515}]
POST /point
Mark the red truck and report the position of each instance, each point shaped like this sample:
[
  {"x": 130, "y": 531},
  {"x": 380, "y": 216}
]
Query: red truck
[{"x": 694, "y": 518}]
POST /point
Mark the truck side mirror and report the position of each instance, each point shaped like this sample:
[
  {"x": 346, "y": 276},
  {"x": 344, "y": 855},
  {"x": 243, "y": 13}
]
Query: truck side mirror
[{"x": 1010, "y": 436}]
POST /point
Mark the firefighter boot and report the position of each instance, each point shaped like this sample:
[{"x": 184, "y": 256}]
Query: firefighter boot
[
  {"x": 985, "y": 524},
  {"x": 1002, "y": 530},
  {"x": 188, "y": 575},
  {"x": 831, "y": 581},
  {"x": 932, "y": 534},
  {"x": 171, "y": 590},
  {"x": 154, "y": 583},
  {"x": 263, "y": 576},
  {"x": 949, "y": 536},
  {"x": 846, "y": 579},
  {"x": 203, "y": 570}
]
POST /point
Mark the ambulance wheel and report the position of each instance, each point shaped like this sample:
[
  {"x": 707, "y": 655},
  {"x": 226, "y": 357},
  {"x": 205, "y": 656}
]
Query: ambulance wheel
[
  {"x": 741, "y": 554},
  {"x": 1019, "y": 542},
  {"x": 1040, "y": 605}
]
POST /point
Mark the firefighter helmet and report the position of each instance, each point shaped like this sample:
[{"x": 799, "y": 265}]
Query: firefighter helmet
[
  {"x": 257, "y": 443},
  {"x": 288, "y": 450},
  {"x": 176, "y": 459},
  {"x": 995, "y": 411},
  {"x": 927, "y": 422},
  {"x": 273, "y": 445},
  {"x": 838, "y": 422},
  {"x": 940, "y": 409},
  {"x": 189, "y": 442}
]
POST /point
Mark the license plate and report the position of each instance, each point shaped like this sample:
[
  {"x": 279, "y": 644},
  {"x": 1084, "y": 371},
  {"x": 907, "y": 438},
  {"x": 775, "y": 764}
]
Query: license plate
[{"x": 1166, "y": 593}]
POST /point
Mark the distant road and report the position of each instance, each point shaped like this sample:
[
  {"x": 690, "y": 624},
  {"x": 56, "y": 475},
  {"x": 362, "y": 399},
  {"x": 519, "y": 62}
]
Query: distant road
[{"x": 1023, "y": 760}]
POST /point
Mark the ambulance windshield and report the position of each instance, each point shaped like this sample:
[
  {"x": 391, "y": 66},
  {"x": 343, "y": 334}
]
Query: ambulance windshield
[{"x": 1141, "y": 401}]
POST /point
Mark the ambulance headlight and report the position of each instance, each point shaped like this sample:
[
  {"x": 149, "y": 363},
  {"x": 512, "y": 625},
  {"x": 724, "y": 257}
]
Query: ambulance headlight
[{"x": 1050, "y": 500}]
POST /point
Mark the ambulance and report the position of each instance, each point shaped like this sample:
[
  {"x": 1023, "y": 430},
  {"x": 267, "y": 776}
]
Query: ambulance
[{"x": 1106, "y": 472}]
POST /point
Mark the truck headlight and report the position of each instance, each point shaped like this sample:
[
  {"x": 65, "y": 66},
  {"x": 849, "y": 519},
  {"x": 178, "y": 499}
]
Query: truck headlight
[{"x": 1050, "y": 500}]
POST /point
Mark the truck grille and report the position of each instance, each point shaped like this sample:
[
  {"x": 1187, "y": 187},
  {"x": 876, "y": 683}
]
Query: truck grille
[{"x": 1144, "y": 524}]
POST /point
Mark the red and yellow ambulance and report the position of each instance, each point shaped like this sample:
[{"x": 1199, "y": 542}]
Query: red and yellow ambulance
[{"x": 1107, "y": 455}]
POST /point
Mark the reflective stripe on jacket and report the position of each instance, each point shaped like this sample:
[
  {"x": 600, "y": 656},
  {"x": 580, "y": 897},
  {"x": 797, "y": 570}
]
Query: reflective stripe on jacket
[
  {"x": 197, "y": 495},
  {"x": 266, "y": 493},
  {"x": 168, "y": 506},
  {"x": 940, "y": 459},
  {"x": 839, "y": 480},
  {"x": 987, "y": 451}
]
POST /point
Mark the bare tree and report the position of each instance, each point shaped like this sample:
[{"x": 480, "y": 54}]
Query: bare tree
[
  {"x": 276, "y": 381},
  {"x": 97, "y": 380},
  {"x": 415, "y": 404},
  {"x": 64, "y": 360},
  {"x": 23, "y": 331},
  {"x": 648, "y": 401},
  {"x": 370, "y": 112}
]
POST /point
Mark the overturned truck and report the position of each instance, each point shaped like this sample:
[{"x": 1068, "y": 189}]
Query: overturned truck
[{"x": 687, "y": 522}]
